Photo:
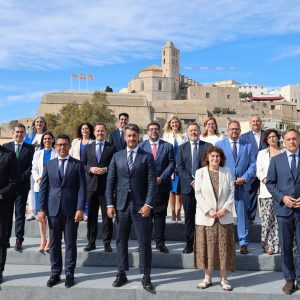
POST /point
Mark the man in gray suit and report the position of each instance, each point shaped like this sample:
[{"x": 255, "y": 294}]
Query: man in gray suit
[{"x": 130, "y": 191}]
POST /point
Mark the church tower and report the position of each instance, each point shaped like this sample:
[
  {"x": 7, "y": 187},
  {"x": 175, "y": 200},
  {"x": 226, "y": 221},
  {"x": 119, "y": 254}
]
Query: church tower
[{"x": 170, "y": 61}]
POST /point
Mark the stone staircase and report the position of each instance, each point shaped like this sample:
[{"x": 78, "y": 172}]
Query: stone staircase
[{"x": 258, "y": 275}]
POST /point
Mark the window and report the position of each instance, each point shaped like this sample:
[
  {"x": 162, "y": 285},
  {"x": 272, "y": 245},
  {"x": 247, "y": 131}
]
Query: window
[
  {"x": 207, "y": 95},
  {"x": 159, "y": 85},
  {"x": 142, "y": 85},
  {"x": 164, "y": 61},
  {"x": 228, "y": 96}
]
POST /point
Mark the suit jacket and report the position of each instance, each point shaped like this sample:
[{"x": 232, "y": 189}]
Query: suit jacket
[
  {"x": 244, "y": 166},
  {"x": 115, "y": 139},
  {"x": 89, "y": 159},
  {"x": 38, "y": 166},
  {"x": 249, "y": 138},
  {"x": 9, "y": 173},
  {"x": 75, "y": 149},
  {"x": 280, "y": 183},
  {"x": 24, "y": 163},
  {"x": 140, "y": 181},
  {"x": 184, "y": 164},
  {"x": 164, "y": 163},
  {"x": 67, "y": 196},
  {"x": 206, "y": 200}
]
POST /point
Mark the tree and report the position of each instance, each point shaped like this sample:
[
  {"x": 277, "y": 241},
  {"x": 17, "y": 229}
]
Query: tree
[
  {"x": 216, "y": 110},
  {"x": 71, "y": 115},
  {"x": 108, "y": 89}
]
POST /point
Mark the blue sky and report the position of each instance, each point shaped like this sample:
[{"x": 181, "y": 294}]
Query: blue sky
[{"x": 43, "y": 43}]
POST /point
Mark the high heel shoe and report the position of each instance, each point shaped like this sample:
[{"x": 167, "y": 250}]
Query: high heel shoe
[
  {"x": 47, "y": 247},
  {"x": 42, "y": 245}
]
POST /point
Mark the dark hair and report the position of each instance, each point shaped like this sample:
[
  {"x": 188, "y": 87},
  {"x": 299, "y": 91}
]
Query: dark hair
[
  {"x": 33, "y": 124},
  {"x": 209, "y": 151},
  {"x": 100, "y": 124},
  {"x": 193, "y": 124},
  {"x": 289, "y": 130},
  {"x": 91, "y": 128},
  {"x": 42, "y": 139},
  {"x": 63, "y": 136},
  {"x": 266, "y": 135},
  {"x": 205, "y": 123},
  {"x": 20, "y": 125},
  {"x": 133, "y": 127},
  {"x": 233, "y": 121},
  {"x": 124, "y": 114},
  {"x": 153, "y": 124}
]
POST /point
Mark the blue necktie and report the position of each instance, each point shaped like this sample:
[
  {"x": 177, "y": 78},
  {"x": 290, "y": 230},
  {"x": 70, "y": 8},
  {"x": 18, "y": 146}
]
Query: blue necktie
[
  {"x": 130, "y": 160},
  {"x": 293, "y": 166},
  {"x": 234, "y": 151},
  {"x": 195, "y": 159},
  {"x": 62, "y": 169},
  {"x": 99, "y": 152}
]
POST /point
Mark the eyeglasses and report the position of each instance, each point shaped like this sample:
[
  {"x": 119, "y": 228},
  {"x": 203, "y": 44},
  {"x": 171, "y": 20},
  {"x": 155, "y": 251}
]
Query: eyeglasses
[{"x": 62, "y": 145}]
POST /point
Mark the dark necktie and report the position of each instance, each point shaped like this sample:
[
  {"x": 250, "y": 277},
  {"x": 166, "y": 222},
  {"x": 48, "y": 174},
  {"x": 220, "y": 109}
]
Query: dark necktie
[
  {"x": 234, "y": 151},
  {"x": 293, "y": 166},
  {"x": 195, "y": 159},
  {"x": 122, "y": 138},
  {"x": 18, "y": 150},
  {"x": 154, "y": 151},
  {"x": 62, "y": 169},
  {"x": 130, "y": 160},
  {"x": 99, "y": 152}
]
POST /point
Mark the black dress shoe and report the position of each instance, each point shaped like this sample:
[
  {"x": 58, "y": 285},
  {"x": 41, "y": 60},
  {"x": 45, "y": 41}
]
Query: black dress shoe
[
  {"x": 107, "y": 248},
  {"x": 289, "y": 287},
  {"x": 89, "y": 247},
  {"x": 147, "y": 285},
  {"x": 120, "y": 280},
  {"x": 69, "y": 281},
  {"x": 1, "y": 277},
  {"x": 162, "y": 248},
  {"x": 188, "y": 250},
  {"x": 244, "y": 250},
  {"x": 53, "y": 280},
  {"x": 18, "y": 246}
]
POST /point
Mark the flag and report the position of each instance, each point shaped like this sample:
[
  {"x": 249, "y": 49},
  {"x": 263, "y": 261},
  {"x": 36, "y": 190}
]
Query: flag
[
  {"x": 81, "y": 76},
  {"x": 74, "y": 76},
  {"x": 89, "y": 76}
]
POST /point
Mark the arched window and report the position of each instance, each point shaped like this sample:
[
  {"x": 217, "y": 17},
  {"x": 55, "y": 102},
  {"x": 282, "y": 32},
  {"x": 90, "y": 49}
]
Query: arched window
[
  {"x": 142, "y": 85},
  {"x": 159, "y": 85}
]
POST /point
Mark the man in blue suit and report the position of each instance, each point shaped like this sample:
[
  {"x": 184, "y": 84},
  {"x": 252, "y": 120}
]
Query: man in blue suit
[
  {"x": 117, "y": 136},
  {"x": 24, "y": 153},
  {"x": 189, "y": 159},
  {"x": 130, "y": 193},
  {"x": 255, "y": 138},
  {"x": 240, "y": 159},
  {"x": 62, "y": 199},
  {"x": 283, "y": 182},
  {"x": 163, "y": 154}
]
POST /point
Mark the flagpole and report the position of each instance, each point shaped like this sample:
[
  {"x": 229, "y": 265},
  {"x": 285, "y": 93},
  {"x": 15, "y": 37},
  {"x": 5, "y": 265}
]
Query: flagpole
[
  {"x": 79, "y": 83},
  {"x": 87, "y": 83},
  {"x": 71, "y": 83}
]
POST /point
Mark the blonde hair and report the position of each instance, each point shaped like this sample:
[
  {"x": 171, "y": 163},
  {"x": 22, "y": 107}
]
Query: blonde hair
[
  {"x": 205, "y": 129},
  {"x": 167, "y": 127}
]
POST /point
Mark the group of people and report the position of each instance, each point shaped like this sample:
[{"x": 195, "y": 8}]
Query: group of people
[{"x": 215, "y": 178}]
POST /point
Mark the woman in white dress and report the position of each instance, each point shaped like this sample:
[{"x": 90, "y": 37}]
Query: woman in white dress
[{"x": 211, "y": 132}]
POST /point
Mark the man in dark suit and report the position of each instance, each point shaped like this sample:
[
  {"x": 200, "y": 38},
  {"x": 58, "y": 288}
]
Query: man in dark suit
[
  {"x": 9, "y": 176},
  {"x": 255, "y": 138},
  {"x": 117, "y": 136},
  {"x": 62, "y": 199},
  {"x": 24, "y": 153},
  {"x": 130, "y": 192},
  {"x": 96, "y": 158},
  {"x": 283, "y": 182},
  {"x": 163, "y": 154},
  {"x": 188, "y": 161}
]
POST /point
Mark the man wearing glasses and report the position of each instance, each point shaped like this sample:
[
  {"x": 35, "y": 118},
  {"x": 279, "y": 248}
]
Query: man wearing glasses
[
  {"x": 62, "y": 199},
  {"x": 24, "y": 153}
]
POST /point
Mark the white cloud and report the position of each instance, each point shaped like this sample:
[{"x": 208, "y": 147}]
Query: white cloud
[
  {"x": 25, "y": 98},
  {"x": 287, "y": 53},
  {"x": 66, "y": 34}
]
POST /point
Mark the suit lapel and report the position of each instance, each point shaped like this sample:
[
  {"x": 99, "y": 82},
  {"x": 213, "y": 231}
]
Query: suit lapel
[
  {"x": 209, "y": 184},
  {"x": 228, "y": 150},
  {"x": 240, "y": 151},
  {"x": 160, "y": 148},
  {"x": 136, "y": 162},
  {"x": 221, "y": 180},
  {"x": 298, "y": 167},
  {"x": 69, "y": 168}
]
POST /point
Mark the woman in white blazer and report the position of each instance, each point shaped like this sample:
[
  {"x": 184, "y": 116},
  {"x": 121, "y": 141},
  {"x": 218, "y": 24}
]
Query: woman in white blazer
[
  {"x": 40, "y": 158},
  {"x": 173, "y": 134},
  {"x": 84, "y": 136},
  {"x": 269, "y": 226},
  {"x": 214, "y": 234}
]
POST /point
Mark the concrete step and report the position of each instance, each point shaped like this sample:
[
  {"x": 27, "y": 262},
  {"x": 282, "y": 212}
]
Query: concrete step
[
  {"x": 25, "y": 282},
  {"x": 174, "y": 232},
  {"x": 256, "y": 260}
]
